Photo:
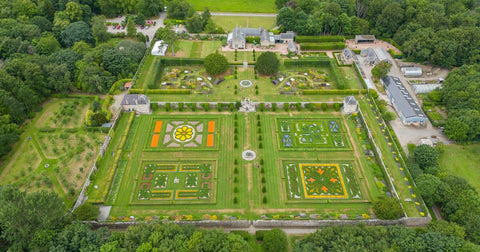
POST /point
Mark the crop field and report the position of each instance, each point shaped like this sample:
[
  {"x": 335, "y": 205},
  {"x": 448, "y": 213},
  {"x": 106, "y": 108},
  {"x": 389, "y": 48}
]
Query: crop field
[
  {"x": 54, "y": 152},
  {"x": 188, "y": 166}
]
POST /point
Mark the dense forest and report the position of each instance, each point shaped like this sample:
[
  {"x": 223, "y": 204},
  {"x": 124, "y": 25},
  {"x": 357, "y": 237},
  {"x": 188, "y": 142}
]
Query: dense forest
[
  {"x": 39, "y": 221},
  {"x": 51, "y": 47},
  {"x": 444, "y": 33}
]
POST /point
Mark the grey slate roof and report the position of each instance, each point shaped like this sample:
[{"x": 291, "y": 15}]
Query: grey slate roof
[
  {"x": 364, "y": 37},
  {"x": 135, "y": 99},
  {"x": 402, "y": 99}
]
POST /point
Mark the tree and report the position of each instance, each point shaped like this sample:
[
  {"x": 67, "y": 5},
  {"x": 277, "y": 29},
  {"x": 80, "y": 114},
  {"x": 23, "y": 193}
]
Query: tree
[
  {"x": 275, "y": 240},
  {"x": 42, "y": 22},
  {"x": 47, "y": 45},
  {"x": 381, "y": 69},
  {"x": 210, "y": 27},
  {"x": 426, "y": 156},
  {"x": 429, "y": 187},
  {"x": 194, "y": 23},
  {"x": 387, "y": 208},
  {"x": 86, "y": 212},
  {"x": 8, "y": 135},
  {"x": 206, "y": 16},
  {"x": 78, "y": 31},
  {"x": 389, "y": 116},
  {"x": 131, "y": 29},
  {"x": 267, "y": 63},
  {"x": 74, "y": 11},
  {"x": 99, "y": 29},
  {"x": 149, "y": 7},
  {"x": 179, "y": 9},
  {"x": 216, "y": 64},
  {"x": 22, "y": 215},
  {"x": 139, "y": 19},
  {"x": 168, "y": 35}
]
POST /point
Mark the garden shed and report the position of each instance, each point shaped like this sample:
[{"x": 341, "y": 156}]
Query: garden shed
[{"x": 364, "y": 39}]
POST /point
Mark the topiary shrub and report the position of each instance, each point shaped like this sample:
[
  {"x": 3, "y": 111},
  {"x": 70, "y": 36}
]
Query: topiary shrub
[
  {"x": 215, "y": 64},
  {"x": 267, "y": 63}
]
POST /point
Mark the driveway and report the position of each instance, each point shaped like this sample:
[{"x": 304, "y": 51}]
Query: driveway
[
  {"x": 405, "y": 134},
  {"x": 150, "y": 31}
]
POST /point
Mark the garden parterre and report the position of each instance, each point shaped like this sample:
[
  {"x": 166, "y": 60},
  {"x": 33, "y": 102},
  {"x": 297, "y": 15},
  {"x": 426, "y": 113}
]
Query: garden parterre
[{"x": 217, "y": 181}]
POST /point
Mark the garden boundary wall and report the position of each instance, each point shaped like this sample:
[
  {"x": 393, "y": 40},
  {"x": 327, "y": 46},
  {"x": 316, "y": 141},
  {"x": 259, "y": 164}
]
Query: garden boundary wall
[
  {"x": 282, "y": 224},
  {"x": 268, "y": 105},
  {"x": 81, "y": 197}
]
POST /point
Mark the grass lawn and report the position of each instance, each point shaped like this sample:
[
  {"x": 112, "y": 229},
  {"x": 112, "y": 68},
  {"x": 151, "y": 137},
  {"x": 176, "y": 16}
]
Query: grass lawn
[
  {"x": 351, "y": 78},
  {"x": 149, "y": 75},
  {"x": 144, "y": 184},
  {"x": 194, "y": 49},
  {"x": 463, "y": 161},
  {"x": 260, "y": 6},
  {"x": 54, "y": 152},
  {"x": 228, "y": 23}
]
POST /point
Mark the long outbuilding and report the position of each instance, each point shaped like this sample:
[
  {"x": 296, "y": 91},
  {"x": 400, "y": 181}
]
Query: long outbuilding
[{"x": 407, "y": 108}]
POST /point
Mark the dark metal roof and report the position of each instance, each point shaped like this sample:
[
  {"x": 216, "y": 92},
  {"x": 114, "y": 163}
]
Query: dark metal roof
[
  {"x": 402, "y": 99},
  {"x": 135, "y": 99}
]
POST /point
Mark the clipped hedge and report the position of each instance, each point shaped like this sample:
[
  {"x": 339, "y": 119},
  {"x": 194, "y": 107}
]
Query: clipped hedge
[
  {"x": 322, "y": 46},
  {"x": 181, "y": 61},
  {"x": 312, "y": 62},
  {"x": 333, "y": 91},
  {"x": 160, "y": 91},
  {"x": 317, "y": 39}
]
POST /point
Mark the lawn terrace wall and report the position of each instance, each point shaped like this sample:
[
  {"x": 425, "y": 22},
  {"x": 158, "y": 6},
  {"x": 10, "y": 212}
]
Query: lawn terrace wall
[
  {"x": 279, "y": 105},
  {"x": 81, "y": 197},
  {"x": 282, "y": 224}
]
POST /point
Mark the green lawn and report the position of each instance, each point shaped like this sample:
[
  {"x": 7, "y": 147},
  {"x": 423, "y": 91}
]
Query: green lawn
[
  {"x": 260, "y": 6},
  {"x": 463, "y": 161},
  {"x": 228, "y": 23},
  {"x": 54, "y": 152},
  {"x": 351, "y": 78},
  {"x": 194, "y": 49},
  {"x": 149, "y": 75}
]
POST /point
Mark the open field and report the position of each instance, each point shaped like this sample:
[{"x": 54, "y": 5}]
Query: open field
[
  {"x": 462, "y": 161},
  {"x": 228, "y": 23},
  {"x": 182, "y": 174},
  {"x": 54, "y": 152},
  {"x": 260, "y": 6}
]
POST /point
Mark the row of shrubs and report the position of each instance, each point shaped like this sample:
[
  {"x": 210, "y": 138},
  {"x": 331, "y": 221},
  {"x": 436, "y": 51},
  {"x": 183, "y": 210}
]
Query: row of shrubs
[
  {"x": 181, "y": 61},
  {"x": 322, "y": 46},
  {"x": 333, "y": 91},
  {"x": 160, "y": 91},
  {"x": 318, "y": 39}
]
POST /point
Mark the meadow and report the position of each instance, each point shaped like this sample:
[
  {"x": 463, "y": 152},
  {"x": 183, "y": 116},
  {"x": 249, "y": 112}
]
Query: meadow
[
  {"x": 260, "y": 6},
  {"x": 462, "y": 161}
]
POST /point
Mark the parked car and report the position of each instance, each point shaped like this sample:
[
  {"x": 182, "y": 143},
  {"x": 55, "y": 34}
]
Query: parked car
[
  {"x": 114, "y": 27},
  {"x": 118, "y": 27}
]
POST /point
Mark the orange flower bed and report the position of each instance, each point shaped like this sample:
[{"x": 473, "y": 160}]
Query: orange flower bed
[
  {"x": 158, "y": 126},
  {"x": 211, "y": 126},
  {"x": 155, "y": 140},
  {"x": 210, "y": 140}
]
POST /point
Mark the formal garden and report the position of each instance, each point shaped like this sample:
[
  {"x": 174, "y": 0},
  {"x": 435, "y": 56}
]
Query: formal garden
[{"x": 167, "y": 162}]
